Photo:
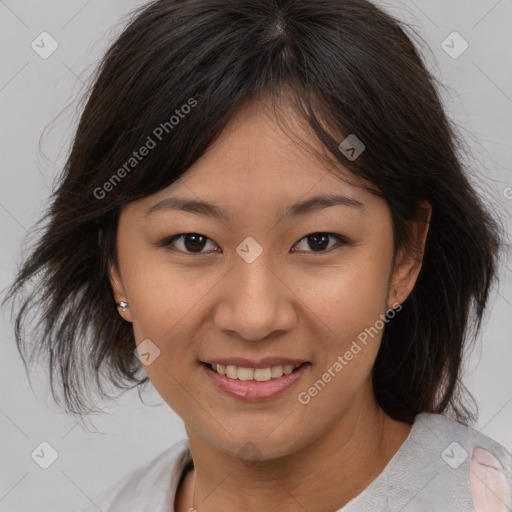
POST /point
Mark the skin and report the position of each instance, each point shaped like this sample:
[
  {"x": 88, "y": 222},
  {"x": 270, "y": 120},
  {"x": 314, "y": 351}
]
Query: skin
[{"x": 306, "y": 304}]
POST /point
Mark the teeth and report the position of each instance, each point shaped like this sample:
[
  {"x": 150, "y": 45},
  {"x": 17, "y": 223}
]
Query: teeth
[
  {"x": 262, "y": 374},
  {"x": 245, "y": 373},
  {"x": 276, "y": 372},
  {"x": 258, "y": 374}
]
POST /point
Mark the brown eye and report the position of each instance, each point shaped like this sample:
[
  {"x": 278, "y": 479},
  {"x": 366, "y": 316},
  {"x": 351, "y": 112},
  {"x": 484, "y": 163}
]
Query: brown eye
[
  {"x": 319, "y": 242},
  {"x": 191, "y": 243}
]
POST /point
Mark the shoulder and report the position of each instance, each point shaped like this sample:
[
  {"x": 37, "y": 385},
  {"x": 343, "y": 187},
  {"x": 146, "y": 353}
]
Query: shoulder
[
  {"x": 481, "y": 464},
  {"x": 449, "y": 430},
  {"x": 150, "y": 487}
]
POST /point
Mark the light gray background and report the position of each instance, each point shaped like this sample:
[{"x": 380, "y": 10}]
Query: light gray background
[{"x": 33, "y": 91}]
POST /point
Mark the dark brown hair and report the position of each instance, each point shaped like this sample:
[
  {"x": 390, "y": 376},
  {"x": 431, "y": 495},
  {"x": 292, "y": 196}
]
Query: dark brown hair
[{"x": 347, "y": 65}]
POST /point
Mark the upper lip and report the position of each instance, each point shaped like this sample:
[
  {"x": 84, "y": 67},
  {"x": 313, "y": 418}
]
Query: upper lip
[{"x": 262, "y": 363}]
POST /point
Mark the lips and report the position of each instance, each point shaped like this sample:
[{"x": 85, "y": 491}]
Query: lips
[{"x": 255, "y": 384}]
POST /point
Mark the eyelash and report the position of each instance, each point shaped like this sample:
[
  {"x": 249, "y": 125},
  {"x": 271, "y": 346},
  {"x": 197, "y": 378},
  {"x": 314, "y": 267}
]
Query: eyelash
[{"x": 169, "y": 240}]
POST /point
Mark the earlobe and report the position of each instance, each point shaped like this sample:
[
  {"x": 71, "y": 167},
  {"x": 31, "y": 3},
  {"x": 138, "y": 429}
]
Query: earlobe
[
  {"x": 120, "y": 296},
  {"x": 408, "y": 262}
]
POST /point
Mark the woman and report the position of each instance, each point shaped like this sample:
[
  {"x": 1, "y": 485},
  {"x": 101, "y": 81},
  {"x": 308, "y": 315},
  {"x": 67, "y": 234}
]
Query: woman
[{"x": 264, "y": 211}]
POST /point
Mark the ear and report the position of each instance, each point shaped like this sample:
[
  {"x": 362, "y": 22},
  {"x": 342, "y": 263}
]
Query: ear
[
  {"x": 408, "y": 262},
  {"x": 119, "y": 293}
]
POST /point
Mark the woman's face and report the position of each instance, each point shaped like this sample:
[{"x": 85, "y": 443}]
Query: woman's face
[{"x": 255, "y": 285}]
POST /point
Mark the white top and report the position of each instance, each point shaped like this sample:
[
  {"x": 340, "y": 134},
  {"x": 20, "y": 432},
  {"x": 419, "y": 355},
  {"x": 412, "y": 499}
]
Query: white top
[{"x": 441, "y": 466}]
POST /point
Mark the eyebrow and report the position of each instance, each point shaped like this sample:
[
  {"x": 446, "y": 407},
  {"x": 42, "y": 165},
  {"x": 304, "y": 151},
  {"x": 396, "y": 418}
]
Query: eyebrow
[{"x": 211, "y": 210}]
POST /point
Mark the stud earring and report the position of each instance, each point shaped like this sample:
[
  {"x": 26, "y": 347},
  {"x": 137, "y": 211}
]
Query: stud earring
[{"x": 122, "y": 304}]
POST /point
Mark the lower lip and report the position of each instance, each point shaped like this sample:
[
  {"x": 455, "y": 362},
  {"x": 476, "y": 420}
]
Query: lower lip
[{"x": 252, "y": 390}]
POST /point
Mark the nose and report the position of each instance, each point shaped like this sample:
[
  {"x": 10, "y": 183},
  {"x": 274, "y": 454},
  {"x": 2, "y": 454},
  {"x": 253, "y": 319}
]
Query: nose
[{"x": 255, "y": 301}]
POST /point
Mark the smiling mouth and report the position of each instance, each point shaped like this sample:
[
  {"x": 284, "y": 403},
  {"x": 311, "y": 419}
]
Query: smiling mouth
[{"x": 254, "y": 374}]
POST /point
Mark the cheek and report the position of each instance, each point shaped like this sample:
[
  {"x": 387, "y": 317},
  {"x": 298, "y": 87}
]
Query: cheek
[
  {"x": 350, "y": 298},
  {"x": 163, "y": 294},
  {"x": 348, "y": 309}
]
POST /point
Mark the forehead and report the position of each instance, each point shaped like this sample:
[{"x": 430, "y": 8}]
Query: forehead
[
  {"x": 269, "y": 138},
  {"x": 259, "y": 164},
  {"x": 264, "y": 149}
]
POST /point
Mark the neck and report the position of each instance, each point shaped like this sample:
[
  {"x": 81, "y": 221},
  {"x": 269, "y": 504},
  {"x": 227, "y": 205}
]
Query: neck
[{"x": 322, "y": 476}]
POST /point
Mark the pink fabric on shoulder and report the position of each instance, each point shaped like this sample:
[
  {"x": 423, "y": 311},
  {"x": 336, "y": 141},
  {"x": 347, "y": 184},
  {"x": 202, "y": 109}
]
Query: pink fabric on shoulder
[{"x": 488, "y": 482}]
